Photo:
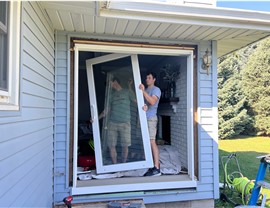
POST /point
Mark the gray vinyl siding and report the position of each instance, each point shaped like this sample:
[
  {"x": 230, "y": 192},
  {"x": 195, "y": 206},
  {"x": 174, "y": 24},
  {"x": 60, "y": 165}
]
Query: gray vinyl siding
[
  {"x": 205, "y": 187},
  {"x": 61, "y": 122},
  {"x": 26, "y": 142},
  {"x": 207, "y": 130}
]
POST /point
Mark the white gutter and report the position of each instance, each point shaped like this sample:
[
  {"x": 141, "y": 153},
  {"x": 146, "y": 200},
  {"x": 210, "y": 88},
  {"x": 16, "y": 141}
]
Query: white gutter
[{"x": 180, "y": 14}]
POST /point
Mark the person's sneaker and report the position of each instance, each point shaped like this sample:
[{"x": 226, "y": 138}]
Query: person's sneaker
[{"x": 153, "y": 172}]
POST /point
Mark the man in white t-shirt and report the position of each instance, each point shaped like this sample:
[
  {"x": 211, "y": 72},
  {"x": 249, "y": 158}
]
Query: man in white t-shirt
[{"x": 152, "y": 95}]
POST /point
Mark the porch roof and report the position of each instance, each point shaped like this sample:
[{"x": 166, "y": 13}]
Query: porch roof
[{"x": 231, "y": 28}]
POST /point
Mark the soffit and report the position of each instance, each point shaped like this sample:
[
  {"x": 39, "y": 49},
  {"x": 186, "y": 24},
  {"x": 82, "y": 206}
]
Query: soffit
[{"x": 84, "y": 17}]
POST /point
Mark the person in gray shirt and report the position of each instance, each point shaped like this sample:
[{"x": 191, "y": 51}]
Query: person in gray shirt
[{"x": 152, "y": 95}]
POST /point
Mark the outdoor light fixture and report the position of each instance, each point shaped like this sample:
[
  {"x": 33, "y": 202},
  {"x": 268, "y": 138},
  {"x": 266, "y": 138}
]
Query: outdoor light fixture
[{"x": 207, "y": 60}]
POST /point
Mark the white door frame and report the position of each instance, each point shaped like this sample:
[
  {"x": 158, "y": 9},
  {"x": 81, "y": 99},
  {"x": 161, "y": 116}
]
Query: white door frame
[
  {"x": 148, "y": 162},
  {"x": 136, "y": 50}
]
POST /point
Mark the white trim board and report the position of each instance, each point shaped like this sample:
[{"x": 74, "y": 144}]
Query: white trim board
[
  {"x": 131, "y": 50},
  {"x": 133, "y": 187},
  {"x": 9, "y": 100}
]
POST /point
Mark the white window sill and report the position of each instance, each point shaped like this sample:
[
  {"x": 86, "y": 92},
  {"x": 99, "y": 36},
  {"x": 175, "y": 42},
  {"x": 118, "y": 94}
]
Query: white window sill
[
  {"x": 128, "y": 188},
  {"x": 8, "y": 107}
]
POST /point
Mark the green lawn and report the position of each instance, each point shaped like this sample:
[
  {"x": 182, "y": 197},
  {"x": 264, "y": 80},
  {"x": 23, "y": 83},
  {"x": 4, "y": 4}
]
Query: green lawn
[{"x": 246, "y": 149}]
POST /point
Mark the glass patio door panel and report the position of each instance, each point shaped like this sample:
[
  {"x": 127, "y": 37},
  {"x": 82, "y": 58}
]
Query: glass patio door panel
[{"x": 119, "y": 124}]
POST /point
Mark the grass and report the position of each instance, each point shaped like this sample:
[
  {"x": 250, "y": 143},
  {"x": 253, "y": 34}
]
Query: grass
[{"x": 246, "y": 149}]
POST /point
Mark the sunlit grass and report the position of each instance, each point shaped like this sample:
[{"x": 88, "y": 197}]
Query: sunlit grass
[
  {"x": 246, "y": 149},
  {"x": 245, "y": 144}
]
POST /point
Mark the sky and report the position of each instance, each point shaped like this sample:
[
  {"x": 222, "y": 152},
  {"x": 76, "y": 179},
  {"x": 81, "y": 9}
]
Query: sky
[{"x": 246, "y": 4}]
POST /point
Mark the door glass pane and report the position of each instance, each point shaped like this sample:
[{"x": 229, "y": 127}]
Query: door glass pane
[
  {"x": 3, "y": 12},
  {"x": 3, "y": 46},
  {"x": 3, "y": 62},
  {"x": 119, "y": 125}
]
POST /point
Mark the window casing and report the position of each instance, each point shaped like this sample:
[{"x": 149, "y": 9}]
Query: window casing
[{"x": 10, "y": 14}]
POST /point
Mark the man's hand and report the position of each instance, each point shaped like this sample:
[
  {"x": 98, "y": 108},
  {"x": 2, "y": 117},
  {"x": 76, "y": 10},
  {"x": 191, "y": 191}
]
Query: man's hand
[
  {"x": 145, "y": 107},
  {"x": 141, "y": 87},
  {"x": 102, "y": 115}
]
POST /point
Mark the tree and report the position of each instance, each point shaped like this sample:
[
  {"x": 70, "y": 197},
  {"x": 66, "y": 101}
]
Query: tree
[
  {"x": 232, "y": 103},
  {"x": 256, "y": 86},
  {"x": 233, "y": 116}
]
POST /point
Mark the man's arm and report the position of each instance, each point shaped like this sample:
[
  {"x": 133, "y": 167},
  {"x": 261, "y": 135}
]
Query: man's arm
[
  {"x": 150, "y": 99},
  {"x": 132, "y": 96},
  {"x": 100, "y": 116}
]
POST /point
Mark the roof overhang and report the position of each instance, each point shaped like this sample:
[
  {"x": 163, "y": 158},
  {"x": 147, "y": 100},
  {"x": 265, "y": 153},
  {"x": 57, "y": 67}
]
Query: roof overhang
[
  {"x": 231, "y": 28},
  {"x": 181, "y": 14}
]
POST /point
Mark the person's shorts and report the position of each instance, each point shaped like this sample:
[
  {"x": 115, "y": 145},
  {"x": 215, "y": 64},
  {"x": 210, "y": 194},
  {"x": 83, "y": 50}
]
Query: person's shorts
[
  {"x": 119, "y": 130},
  {"x": 152, "y": 127}
]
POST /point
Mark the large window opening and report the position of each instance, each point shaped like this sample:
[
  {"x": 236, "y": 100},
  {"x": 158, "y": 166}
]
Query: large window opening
[{"x": 95, "y": 73}]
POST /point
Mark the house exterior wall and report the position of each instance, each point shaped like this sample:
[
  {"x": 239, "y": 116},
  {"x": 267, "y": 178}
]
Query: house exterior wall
[
  {"x": 206, "y": 128},
  {"x": 208, "y": 119},
  {"x": 61, "y": 186},
  {"x": 26, "y": 141}
]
